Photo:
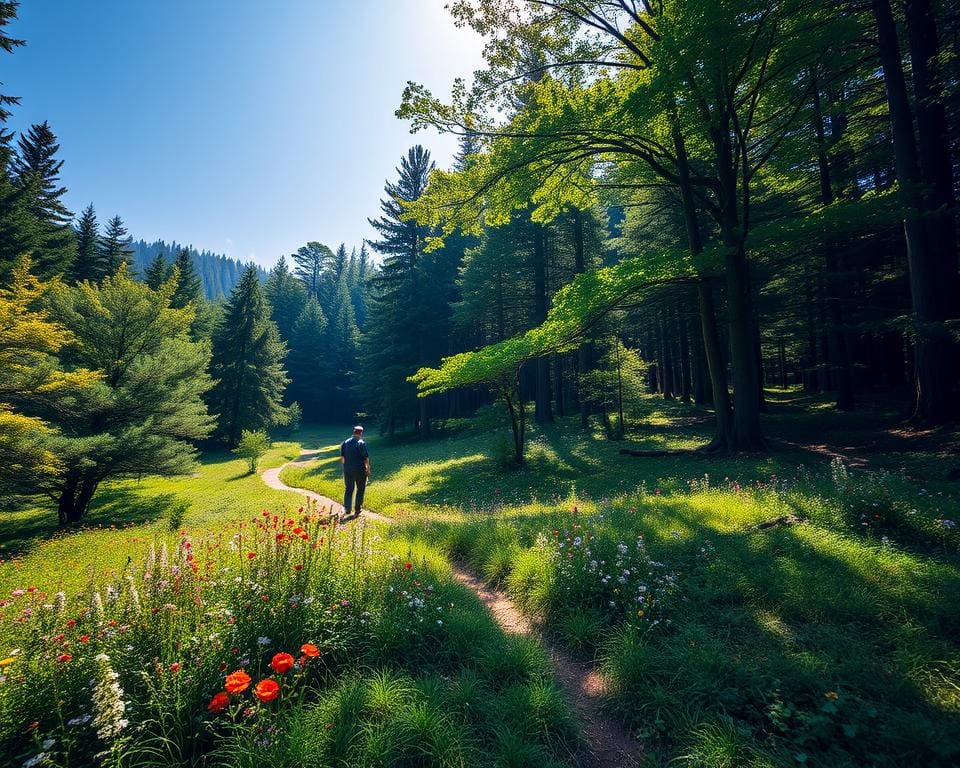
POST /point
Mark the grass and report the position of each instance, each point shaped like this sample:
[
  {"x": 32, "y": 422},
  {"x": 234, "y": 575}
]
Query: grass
[{"x": 831, "y": 642}]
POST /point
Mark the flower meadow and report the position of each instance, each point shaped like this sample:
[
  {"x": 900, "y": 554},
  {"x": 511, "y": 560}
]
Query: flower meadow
[{"x": 217, "y": 649}]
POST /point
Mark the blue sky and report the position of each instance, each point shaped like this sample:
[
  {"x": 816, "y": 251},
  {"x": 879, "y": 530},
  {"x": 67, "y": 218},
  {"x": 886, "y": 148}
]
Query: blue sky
[{"x": 246, "y": 127}]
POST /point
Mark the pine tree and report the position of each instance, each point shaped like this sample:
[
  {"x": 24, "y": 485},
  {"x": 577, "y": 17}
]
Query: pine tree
[
  {"x": 358, "y": 287},
  {"x": 189, "y": 287},
  {"x": 309, "y": 363},
  {"x": 287, "y": 296},
  {"x": 36, "y": 172},
  {"x": 247, "y": 363},
  {"x": 8, "y": 13},
  {"x": 88, "y": 262},
  {"x": 339, "y": 261},
  {"x": 157, "y": 272},
  {"x": 115, "y": 246},
  {"x": 343, "y": 337},
  {"x": 143, "y": 415},
  {"x": 402, "y": 293},
  {"x": 312, "y": 261}
]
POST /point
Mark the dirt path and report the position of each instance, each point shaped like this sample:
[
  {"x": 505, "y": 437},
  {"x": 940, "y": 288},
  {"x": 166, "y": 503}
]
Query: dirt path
[
  {"x": 609, "y": 744},
  {"x": 272, "y": 478}
]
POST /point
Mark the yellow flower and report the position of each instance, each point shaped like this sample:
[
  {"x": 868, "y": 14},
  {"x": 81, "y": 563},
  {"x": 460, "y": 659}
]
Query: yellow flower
[
  {"x": 7, "y": 662},
  {"x": 640, "y": 612},
  {"x": 832, "y": 695}
]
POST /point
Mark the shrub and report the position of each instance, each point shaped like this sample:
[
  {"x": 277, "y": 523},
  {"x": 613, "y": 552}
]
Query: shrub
[{"x": 252, "y": 446}]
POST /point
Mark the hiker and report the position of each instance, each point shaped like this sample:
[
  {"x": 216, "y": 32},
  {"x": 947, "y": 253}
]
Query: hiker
[{"x": 356, "y": 468}]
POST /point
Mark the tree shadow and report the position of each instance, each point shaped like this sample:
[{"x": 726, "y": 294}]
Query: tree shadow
[{"x": 115, "y": 505}]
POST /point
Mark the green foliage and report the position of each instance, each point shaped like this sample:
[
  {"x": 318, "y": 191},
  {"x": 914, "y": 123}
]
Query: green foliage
[
  {"x": 115, "y": 247},
  {"x": 188, "y": 288},
  {"x": 252, "y": 447},
  {"x": 247, "y": 364},
  {"x": 87, "y": 262},
  {"x": 287, "y": 297},
  {"x": 140, "y": 416},
  {"x": 157, "y": 272}
]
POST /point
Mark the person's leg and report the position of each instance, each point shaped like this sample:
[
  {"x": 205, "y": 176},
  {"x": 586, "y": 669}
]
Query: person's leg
[
  {"x": 361, "y": 487},
  {"x": 348, "y": 491}
]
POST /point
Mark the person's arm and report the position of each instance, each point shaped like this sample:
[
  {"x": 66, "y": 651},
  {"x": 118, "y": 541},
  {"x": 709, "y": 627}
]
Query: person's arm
[
  {"x": 342, "y": 460},
  {"x": 366, "y": 464}
]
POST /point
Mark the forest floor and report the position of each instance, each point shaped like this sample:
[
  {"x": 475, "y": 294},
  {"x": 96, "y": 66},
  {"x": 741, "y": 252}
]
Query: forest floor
[{"x": 829, "y": 640}]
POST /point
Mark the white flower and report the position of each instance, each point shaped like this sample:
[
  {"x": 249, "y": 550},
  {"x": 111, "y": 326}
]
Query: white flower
[
  {"x": 263, "y": 641},
  {"x": 47, "y": 743},
  {"x": 35, "y": 760}
]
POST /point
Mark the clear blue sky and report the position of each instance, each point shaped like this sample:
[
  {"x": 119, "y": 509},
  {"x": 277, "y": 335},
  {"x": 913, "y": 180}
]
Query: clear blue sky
[{"x": 246, "y": 127}]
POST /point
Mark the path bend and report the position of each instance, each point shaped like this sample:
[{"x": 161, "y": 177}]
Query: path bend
[{"x": 610, "y": 745}]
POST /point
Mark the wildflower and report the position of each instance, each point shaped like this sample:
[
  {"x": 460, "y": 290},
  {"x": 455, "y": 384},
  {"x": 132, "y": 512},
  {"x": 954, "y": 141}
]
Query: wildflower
[
  {"x": 298, "y": 567},
  {"x": 134, "y": 594},
  {"x": 267, "y": 690},
  {"x": 218, "y": 703},
  {"x": 281, "y": 662},
  {"x": 310, "y": 650},
  {"x": 60, "y": 600},
  {"x": 408, "y": 566},
  {"x": 7, "y": 662},
  {"x": 237, "y": 682},
  {"x": 71, "y": 623},
  {"x": 35, "y": 760},
  {"x": 108, "y": 703},
  {"x": 831, "y": 695},
  {"x": 251, "y": 555},
  {"x": 263, "y": 641},
  {"x": 948, "y": 524},
  {"x": 64, "y": 657},
  {"x": 175, "y": 667},
  {"x": 96, "y": 607}
]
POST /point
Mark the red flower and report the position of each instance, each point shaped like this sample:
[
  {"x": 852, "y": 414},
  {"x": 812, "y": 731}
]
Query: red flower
[
  {"x": 282, "y": 662},
  {"x": 265, "y": 598},
  {"x": 63, "y": 657},
  {"x": 251, "y": 555},
  {"x": 237, "y": 682},
  {"x": 309, "y": 650},
  {"x": 218, "y": 703},
  {"x": 175, "y": 667},
  {"x": 267, "y": 690},
  {"x": 408, "y": 566},
  {"x": 71, "y": 622},
  {"x": 84, "y": 639},
  {"x": 298, "y": 567}
]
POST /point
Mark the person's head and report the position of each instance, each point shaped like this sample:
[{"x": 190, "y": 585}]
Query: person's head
[{"x": 358, "y": 431}]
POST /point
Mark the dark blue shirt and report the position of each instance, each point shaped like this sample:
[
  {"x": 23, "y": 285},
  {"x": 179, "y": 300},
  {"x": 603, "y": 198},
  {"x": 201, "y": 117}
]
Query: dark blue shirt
[{"x": 354, "y": 451}]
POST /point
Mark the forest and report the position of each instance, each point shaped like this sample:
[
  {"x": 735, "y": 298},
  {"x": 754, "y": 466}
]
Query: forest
[{"x": 660, "y": 376}]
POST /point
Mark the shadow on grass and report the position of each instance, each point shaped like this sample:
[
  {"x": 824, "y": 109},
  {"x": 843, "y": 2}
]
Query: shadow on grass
[
  {"x": 117, "y": 506},
  {"x": 797, "y": 640}
]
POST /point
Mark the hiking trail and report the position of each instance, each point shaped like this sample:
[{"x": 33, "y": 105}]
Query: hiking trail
[{"x": 610, "y": 745}]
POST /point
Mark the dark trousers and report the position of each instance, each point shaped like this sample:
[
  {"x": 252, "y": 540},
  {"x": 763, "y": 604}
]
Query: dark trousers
[{"x": 351, "y": 479}]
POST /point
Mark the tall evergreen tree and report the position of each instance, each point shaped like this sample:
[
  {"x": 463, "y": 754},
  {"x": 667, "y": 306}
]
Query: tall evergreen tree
[
  {"x": 312, "y": 261},
  {"x": 247, "y": 363},
  {"x": 287, "y": 296},
  {"x": 36, "y": 171},
  {"x": 340, "y": 261},
  {"x": 189, "y": 288},
  {"x": 157, "y": 272},
  {"x": 358, "y": 287},
  {"x": 309, "y": 363},
  {"x": 115, "y": 246},
  {"x": 8, "y": 13},
  {"x": 88, "y": 262},
  {"x": 403, "y": 294}
]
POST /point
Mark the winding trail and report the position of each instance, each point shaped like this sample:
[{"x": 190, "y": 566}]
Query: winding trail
[{"x": 609, "y": 745}]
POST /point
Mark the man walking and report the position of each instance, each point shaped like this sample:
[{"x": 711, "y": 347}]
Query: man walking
[{"x": 356, "y": 468}]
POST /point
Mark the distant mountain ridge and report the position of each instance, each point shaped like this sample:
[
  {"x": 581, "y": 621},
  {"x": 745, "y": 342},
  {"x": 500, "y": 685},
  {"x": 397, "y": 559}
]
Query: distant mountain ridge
[{"x": 218, "y": 273}]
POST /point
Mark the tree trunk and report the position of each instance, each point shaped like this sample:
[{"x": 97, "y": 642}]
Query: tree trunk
[
  {"x": 708, "y": 321},
  {"x": 584, "y": 352},
  {"x": 782, "y": 354},
  {"x": 936, "y": 169},
  {"x": 543, "y": 413},
  {"x": 75, "y": 498},
  {"x": 747, "y": 435},
  {"x": 558, "y": 386},
  {"x": 934, "y": 403},
  {"x": 666, "y": 363},
  {"x": 621, "y": 425},
  {"x": 685, "y": 388}
]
